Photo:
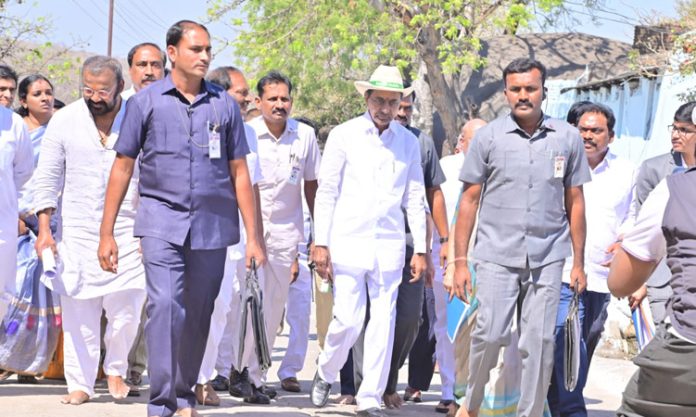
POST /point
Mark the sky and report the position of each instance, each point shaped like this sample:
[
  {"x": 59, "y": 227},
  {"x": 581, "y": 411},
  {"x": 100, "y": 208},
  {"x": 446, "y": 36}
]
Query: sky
[{"x": 138, "y": 21}]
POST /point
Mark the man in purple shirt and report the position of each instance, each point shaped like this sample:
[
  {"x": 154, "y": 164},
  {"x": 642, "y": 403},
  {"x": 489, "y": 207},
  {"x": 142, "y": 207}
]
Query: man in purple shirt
[{"x": 189, "y": 138}]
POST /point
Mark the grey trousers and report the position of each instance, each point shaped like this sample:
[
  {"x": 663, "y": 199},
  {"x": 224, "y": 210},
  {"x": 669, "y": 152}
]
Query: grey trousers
[
  {"x": 665, "y": 382},
  {"x": 535, "y": 294},
  {"x": 409, "y": 304},
  {"x": 182, "y": 285}
]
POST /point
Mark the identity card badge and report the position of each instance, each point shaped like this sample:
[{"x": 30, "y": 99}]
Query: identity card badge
[
  {"x": 559, "y": 166},
  {"x": 214, "y": 141},
  {"x": 294, "y": 175}
]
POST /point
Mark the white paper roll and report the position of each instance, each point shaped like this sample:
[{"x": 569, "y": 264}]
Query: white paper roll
[{"x": 49, "y": 263}]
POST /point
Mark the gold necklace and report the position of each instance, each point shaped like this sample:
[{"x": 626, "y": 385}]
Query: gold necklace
[{"x": 102, "y": 138}]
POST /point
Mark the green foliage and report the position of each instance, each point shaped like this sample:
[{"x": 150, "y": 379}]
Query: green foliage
[
  {"x": 323, "y": 45},
  {"x": 25, "y": 44}
]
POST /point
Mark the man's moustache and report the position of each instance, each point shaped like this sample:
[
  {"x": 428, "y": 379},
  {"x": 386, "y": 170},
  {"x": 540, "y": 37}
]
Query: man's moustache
[
  {"x": 523, "y": 103},
  {"x": 589, "y": 142}
]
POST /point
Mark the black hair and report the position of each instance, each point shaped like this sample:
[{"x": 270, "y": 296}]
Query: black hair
[
  {"x": 273, "y": 77},
  {"x": 23, "y": 90},
  {"x": 684, "y": 112},
  {"x": 8, "y": 73},
  {"x": 134, "y": 50},
  {"x": 98, "y": 63},
  {"x": 600, "y": 109},
  {"x": 574, "y": 112},
  {"x": 176, "y": 31},
  {"x": 522, "y": 65},
  {"x": 221, "y": 76},
  {"x": 57, "y": 104}
]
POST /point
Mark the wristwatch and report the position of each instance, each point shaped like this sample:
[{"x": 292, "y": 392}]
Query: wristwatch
[{"x": 444, "y": 239}]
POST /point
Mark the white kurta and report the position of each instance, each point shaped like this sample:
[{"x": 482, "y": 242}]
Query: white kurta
[
  {"x": 74, "y": 161},
  {"x": 366, "y": 182},
  {"x": 16, "y": 166},
  {"x": 609, "y": 213}
]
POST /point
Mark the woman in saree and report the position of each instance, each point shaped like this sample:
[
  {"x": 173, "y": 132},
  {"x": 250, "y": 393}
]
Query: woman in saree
[{"x": 33, "y": 320}]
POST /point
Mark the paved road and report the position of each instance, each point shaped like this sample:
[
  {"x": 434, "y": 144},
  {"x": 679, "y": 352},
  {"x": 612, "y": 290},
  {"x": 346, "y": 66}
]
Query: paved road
[{"x": 606, "y": 381}]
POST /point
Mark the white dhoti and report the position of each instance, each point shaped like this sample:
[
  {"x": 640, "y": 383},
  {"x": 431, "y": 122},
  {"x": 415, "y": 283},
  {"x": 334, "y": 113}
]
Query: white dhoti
[
  {"x": 297, "y": 312},
  {"x": 8, "y": 260},
  {"x": 275, "y": 285},
  {"x": 223, "y": 340},
  {"x": 81, "y": 332},
  {"x": 352, "y": 286}
]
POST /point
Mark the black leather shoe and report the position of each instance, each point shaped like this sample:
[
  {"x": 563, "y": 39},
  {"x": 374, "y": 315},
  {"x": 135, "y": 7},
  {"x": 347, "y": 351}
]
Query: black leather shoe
[
  {"x": 240, "y": 386},
  {"x": 272, "y": 393},
  {"x": 320, "y": 391},
  {"x": 220, "y": 383},
  {"x": 257, "y": 397},
  {"x": 371, "y": 412},
  {"x": 134, "y": 382}
]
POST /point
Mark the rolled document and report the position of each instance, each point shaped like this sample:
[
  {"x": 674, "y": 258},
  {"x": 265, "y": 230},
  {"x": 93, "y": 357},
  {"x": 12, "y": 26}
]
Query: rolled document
[{"x": 49, "y": 263}]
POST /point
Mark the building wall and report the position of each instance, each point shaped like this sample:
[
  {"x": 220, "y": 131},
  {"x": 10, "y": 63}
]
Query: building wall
[{"x": 644, "y": 107}]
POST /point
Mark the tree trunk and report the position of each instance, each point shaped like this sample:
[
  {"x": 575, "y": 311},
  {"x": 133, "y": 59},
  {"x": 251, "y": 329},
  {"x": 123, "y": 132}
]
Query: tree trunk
[{"x": 444, "y": 97}]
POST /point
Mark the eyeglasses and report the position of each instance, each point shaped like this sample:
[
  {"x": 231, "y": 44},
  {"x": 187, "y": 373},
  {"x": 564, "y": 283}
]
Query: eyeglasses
[
  {"x": 679, "y": 130},
  {"x": 102, "y": 94},
  {"x": 380, "y": 102}
]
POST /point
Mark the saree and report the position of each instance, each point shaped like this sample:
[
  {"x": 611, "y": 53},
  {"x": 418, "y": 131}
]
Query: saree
[{"x": 30, "y": 330}]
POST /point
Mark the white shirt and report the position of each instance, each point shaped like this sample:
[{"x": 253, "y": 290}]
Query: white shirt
[
  {"x": 126, "y": 94},
  {"x": 452, "y": 188},
  {"x": 71, "y": 151},
  {"x": 236, "y": 251},
  {"x": 16, "y": 166},
  {"x": 365, "y": 182},
  {"x": 608, "y": 214},
  {"x": 285, "y": 162},
  {"x": 645, "y": 240}
]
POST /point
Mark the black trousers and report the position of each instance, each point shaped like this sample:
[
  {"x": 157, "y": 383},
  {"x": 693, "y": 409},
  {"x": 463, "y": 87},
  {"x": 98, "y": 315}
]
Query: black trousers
[
  {"x": 421, "y": 359},
  {"x": 347, "y": 383}
]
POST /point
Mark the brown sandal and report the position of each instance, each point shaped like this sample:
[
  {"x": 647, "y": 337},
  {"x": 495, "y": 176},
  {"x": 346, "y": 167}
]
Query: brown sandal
[{"x": 206, "y": 395}]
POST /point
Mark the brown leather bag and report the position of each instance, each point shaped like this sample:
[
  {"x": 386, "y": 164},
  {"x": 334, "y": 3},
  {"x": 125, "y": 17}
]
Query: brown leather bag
[{"x": 55, "y": 368}]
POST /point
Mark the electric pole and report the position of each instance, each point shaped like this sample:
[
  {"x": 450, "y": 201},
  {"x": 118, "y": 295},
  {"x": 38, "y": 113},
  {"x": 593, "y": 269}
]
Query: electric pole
[{"x": 111, "y": 26}]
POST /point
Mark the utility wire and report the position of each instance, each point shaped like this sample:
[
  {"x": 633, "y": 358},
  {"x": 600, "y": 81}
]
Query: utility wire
[
  {"x": 132, "y": 22},
  {"x": 95, "y": 20},
  {"x": 149, "y": 15}
]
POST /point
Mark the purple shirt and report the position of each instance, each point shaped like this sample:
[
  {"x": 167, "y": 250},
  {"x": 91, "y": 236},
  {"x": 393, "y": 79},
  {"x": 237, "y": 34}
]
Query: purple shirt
[{"x": 182, "y": 191}]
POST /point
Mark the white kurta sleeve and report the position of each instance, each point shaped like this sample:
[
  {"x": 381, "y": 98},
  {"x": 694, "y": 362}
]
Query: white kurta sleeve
[
  {"x": 414, "y": 200},
  {"x": 50, "y": 171},
  {"x": 252, "y": 157},
  {"x": 630, "y": 218},
  {"x": 23, "y": 164},
  {"x": 330, "y": 176},
  {"x": 645, "y": 240}
]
